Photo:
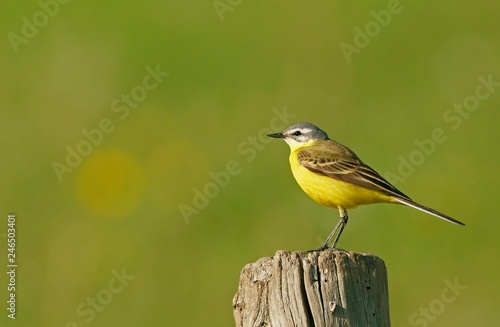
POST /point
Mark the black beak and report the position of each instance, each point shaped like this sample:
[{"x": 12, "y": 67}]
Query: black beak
[{"x": 276, "y": 135}]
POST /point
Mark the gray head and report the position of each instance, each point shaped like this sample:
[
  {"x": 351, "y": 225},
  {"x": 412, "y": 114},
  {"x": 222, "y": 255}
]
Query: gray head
[{"x": 301, "y": 133}]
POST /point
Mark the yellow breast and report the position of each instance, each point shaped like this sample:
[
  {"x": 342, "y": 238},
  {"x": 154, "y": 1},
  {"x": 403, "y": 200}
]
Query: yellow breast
[{"x": 331, "y": 192}]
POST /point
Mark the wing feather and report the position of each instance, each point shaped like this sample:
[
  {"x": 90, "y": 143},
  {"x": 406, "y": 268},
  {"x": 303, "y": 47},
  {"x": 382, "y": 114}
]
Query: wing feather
[{"x": 342, "y": 164}]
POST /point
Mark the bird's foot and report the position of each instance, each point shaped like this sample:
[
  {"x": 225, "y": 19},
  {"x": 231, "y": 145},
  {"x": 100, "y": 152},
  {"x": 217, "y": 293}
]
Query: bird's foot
[{"x": 321, "y": 248}]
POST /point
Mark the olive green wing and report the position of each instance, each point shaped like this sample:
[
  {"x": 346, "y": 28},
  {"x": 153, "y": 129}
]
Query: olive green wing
[{"x": 339, "y": 162}]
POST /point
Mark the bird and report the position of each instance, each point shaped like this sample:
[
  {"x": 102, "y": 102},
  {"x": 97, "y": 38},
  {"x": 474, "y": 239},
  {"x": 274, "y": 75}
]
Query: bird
[{"x": 334, "y": 176}]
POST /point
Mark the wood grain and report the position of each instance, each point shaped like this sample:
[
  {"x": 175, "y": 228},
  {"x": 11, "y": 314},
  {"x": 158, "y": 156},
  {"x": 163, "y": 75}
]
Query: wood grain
[{"x": 319, "y": 288}]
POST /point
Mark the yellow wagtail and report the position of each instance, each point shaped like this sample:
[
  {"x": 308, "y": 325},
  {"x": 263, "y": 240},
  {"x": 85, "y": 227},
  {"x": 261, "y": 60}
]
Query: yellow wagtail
[{"x": 332, "y": 175}]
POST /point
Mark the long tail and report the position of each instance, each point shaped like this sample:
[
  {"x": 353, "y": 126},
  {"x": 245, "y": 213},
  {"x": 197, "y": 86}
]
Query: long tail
[{"x": 428, "y": 210}]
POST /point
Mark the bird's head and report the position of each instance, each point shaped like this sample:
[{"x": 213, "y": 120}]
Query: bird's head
[{"x": 301, "y": 134}]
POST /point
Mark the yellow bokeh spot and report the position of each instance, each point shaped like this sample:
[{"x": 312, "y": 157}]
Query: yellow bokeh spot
[{"x": 110, "y": 184}]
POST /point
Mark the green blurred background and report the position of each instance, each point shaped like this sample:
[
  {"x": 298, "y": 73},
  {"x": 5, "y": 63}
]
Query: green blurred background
[{"x": 118, "y": 210}]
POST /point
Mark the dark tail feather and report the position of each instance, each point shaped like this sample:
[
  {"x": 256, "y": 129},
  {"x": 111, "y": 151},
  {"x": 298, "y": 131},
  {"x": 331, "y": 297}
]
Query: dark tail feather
[{"x": 428, "y": 210}]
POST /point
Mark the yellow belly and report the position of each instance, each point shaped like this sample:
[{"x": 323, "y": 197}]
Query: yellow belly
[{"x": 331, "y": 192}]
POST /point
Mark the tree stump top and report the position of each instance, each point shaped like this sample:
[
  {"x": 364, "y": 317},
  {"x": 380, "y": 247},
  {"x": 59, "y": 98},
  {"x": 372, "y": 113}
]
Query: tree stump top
[{"x": 319, "y": 288}]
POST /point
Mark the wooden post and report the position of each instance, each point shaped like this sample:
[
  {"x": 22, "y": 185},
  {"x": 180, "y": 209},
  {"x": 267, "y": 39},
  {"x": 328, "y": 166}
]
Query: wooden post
[{"x": 320, "y": 288}]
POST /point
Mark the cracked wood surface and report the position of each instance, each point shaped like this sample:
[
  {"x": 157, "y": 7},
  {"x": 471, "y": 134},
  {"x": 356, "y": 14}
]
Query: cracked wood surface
[{"x": 319, "y": 288}]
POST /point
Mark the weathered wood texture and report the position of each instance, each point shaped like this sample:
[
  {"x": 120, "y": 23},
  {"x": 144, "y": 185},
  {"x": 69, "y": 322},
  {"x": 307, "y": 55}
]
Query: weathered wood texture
[{"x": 319, "y": 288}]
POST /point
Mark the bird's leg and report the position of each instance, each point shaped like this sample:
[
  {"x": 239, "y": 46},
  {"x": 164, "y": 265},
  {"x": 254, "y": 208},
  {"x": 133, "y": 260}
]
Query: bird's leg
[
  {"x": 342, "y": 222},
  {"x": 340, "y": 227},
  {"x": 325, "y": 246}
]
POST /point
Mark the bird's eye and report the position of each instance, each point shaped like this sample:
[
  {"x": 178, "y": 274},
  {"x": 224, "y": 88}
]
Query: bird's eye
[{"x": 296, "y": 133}]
